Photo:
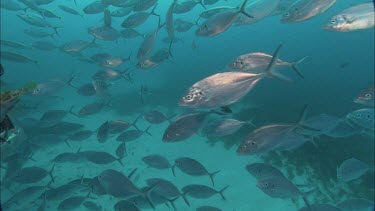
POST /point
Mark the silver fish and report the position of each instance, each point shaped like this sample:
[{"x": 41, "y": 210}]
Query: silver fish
[
  {"x": 121, "y": 12},
  {"x": 12, "y": 44},
  {"x": 105, "y": 33},
  {"x": 213, "y": 11},
  {"x": 363, "y": 117},
  {"x": 352, "y": 169},
  {"x": 259, "y": 9},
  {"x": 258, "y": 62},
  {"x": 95, "y": 7},
  {"x": 37, "y": 33},
  {"x": 186, "y": 6},
  {"x": 138, "y": 18},
  {"x": 280, "y": 187},
  {"x": 130, "y": 33},
  {"x": 223, "y": 89},
  {"x": 69, "y": 10},
  {"x": 262, "y": 171},
  {"x": 143, "y": 5},
  {"x": 220, "y": 22},
  {"x": 148, "y": 43},
  {"x": 192, "y": 167},
  {"x": 35, "y": 20},
  {"x": 366, "y": 97},
  {"x": 156, "y": 161},
  {"x": 305, "y": 9},
  {"x": 6, "y": 55},
  {"x": 11, "y": 5},
  {"x": 44, "y": 45},
  {"x": 355, "y": 18},
  {"x": 184, "y": 127},
  {"x": 224, "y": 127}
]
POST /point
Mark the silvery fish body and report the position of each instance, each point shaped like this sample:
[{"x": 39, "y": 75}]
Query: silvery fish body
[{"x": 355, "y": 18}]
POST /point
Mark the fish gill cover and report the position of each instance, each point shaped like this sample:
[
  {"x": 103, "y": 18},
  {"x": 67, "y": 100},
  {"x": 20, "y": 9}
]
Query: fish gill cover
[{"x": 187, "y": 105}]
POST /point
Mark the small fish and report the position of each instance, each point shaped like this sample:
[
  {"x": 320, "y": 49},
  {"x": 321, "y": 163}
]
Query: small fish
[
  {"x": 131, "y": 135},
  {"x": 358, "y": 17},
  {"x": 130, "y": 33},
  {"x": 352, "y": 169},
  {"x": 15, "y": 57},
  {"x": 121, "y": 12},
  {"x": 11, "y": 5},
  {"x": 183, "y": 26},
  {"x": 53, "y": 115},
  {"x": 356, "y": 204},
  {"x": 32, "y": 174},
  {"x": 257, "y": 62},
  {"x": 148, "y": 43},
  {"x": 138, "y": 18},
  {"x": 69, "y": 10},
  {"x": 12, "y": 44},
  {"x": 262, "y": 171},
  {"x": 44, "y": 45},
  {"x": 77, "y": 46},
  {"x": 280, "y": 187},
  {"x": 37, "y": 33},
  {"x": 363, "y": 117},
  {"x": 98, "y": 157},
  {"x": 366, "y": 97},
  {"x": 192, "y": 167},
  {"x": 91, "y": 108},
  {"x": 36, "y": 20},
  {"x": 95, "y": 7},
  {"x": 224, "y": 127},
  {"x": 92, "y": 206},
  {"x": 121, "y": 150},
  {"x": 106, "y": 33},
  {"x": 220, "y": 22},
  {"x": 259, "y": 10},
  {"x": 305, "y": 9},
  {"x": 202, "y": 191},
  {"x": 103, "y": 132},
  {"x": 143, "y": 5},
  {"x": 80, "y": 135},
  {"x": 119, "y": 126},
  {"x": 156, "y": 117},
  {"x": 156, "y": 161},
  {"x": 125, "y": 205},
  {"x": 184, "y": 127},
  {"x": 71, "y": 203},
  {"x": 215, "y": 10},
  {"x": 186, "y": 6}
]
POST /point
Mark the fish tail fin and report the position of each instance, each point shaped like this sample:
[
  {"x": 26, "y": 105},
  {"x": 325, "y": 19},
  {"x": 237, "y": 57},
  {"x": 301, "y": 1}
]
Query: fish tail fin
[
  {"x": 170, "y": 48},
  {"x": 55, "y": 29},
  {"x": 132, "y": 173},
  {"x": 185, "y": 198},
  {"x": 201, "y": 3},
  {"x": 251, "y": 121},
  {"x": 93, "y": 41},
  {"x": 172, "y": 202},
  {"x": 71, "y": 111},
  {"x": 48, "y": 185},
  {"x": 66, "y": 142},
  {"x": 294, "y": 66},
  {"x": 31, "y": 157},
  {"x": 173, "y": 170},
  {"x": 170, "y": 117},
  {"x": 243, "y": 9},
  {"x": 270, "y": 71},
  {"x": 153, "y": 10},
  {"x": 197, "y": 21},
  {"x": 222, "y": 191},
  {"x": 302, "y": 118},
  {"x": 313, "y": 142},
  {"x": 212, "y": 176},
  {"x": 120, "y": 160},
  {"x": 134, "y": 124},
  {"x": 50, "y": 173},
  {"x": 146, "y": 131},
  {"x": 147, "y": 196}
]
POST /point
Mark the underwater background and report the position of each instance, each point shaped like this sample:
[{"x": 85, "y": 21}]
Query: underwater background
[{"x": 337, "y": 68}]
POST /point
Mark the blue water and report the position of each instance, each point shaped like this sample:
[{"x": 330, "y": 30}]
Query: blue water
[{"x": 339, "y": 66}]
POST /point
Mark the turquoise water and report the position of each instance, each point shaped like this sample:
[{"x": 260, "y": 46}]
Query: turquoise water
[{"x": 339, "y": 66}]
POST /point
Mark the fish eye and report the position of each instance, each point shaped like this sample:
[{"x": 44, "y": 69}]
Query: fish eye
[
  {"x": 188, "y": 97},
  {"x": 234, "y": 64},
  {"x": 286, "y": 14},
  {"x": 266, "y": 184},
  {"x": 205, "y": 26},
  {"x": 367, "y": 95},
  {"x": 333, "y": 21}
]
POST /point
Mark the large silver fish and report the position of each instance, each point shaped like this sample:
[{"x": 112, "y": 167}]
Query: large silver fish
[
  {"x": 223, "y": 89},
  {"x": 355, "y": 18},
  {"x": 305, "y": 9}
]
